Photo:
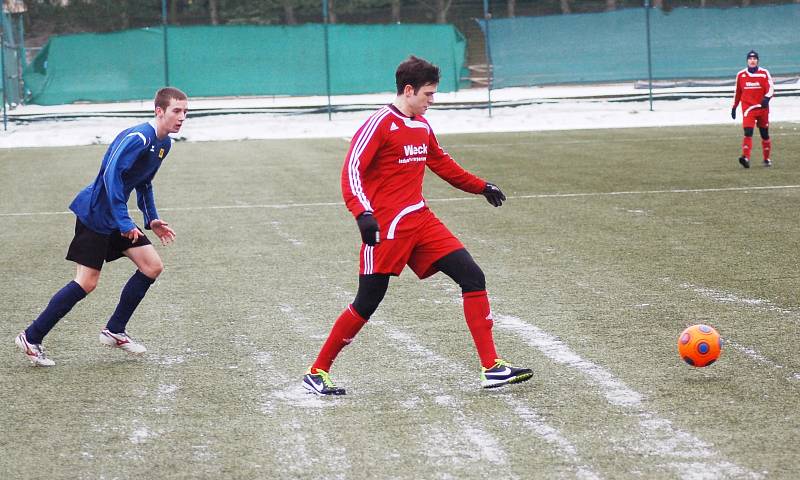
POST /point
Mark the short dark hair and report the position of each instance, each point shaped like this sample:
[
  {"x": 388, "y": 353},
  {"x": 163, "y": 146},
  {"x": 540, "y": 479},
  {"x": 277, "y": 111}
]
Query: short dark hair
[
  {"x": 164, "y": 95},
  {"x": 416, "y": 72}
]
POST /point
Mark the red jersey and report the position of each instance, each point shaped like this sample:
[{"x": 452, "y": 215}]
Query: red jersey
[
  {"x": 385, "y": 166},
  {"x": 751, "y": 88}
]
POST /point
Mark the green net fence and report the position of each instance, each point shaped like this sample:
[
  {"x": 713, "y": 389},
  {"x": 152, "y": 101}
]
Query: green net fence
[
  {"x": 238, "y": 60},
  {"x": 612, "y": 46}
]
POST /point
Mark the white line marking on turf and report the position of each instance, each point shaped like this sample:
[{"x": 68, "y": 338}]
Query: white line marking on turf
[
  {"x": 488, "y": 447},
  {"x": 659, "y": 436},
  {"x": 279, "y": 206},
  {"x": 591, "y": 141},
  {"x": 535, "y": 422},
  {"x": 761, "y": 304},
  {"x": 725, "y": 297}
]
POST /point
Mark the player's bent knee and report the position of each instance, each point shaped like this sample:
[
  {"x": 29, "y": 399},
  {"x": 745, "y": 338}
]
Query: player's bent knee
[
  {"x": 153, "y": 270},
  {"x": 371, "y": 290},
  {"x": 87, "y": 284},
  {"x": 475, "y": 281}
]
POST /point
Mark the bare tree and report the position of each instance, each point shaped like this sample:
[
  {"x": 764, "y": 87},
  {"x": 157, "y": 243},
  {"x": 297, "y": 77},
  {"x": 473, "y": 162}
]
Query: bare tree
[
  {"x": 512, "y": 8},
  {"x": 331, "y": 12},
  {"x": 396, "y": 11},
  {"x": 213, "y": 12},
  {"x": 442, "y": 6},
  {"x": 565, "y": 9},
  {"x": 288, "y": 11}
]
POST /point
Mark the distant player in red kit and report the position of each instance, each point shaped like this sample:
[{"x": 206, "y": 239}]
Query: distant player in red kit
[
  {"x": 754, "y": 89},
  {"x": 382, "y": 188}
]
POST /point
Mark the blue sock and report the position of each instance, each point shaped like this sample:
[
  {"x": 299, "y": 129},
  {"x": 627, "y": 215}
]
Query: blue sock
[
  {"x": 61, "y": 303},
  {"x": 132, "y": 293}
]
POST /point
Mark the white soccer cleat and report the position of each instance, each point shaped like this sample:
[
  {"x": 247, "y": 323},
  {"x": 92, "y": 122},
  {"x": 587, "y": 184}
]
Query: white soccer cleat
[
  {"x": 121, "y": 340},
  {"x": 34, "y": 351}
]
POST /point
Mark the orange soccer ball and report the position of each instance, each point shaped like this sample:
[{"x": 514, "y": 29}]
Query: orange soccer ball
[{"x": 699, "y": 345}]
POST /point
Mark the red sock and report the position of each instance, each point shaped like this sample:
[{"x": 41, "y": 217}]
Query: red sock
[
  {"x": 479, "y": 321},
  {"x": 766, "y": 146},
  {"x": 747, "y": 145},
  {"x": 344, "y": 330}
]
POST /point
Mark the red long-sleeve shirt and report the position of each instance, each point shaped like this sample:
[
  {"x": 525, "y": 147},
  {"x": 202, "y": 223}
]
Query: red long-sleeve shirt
[
  {"x": 385, "y": 166},
  {"x": 751, "y": 88}
]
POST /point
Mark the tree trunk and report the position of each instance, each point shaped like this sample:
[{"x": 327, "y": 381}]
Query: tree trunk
[
  {"x": 288, "y": 12},
  {"x": 173, "y": 12},
  {"x": 611, "y": 5},
  {"x": 396, "y": 11},
  {"x": 442, "y": 6},
  {"x": 565, "y": 7},
  {"x": 126, "y": 19},
  {"x": 213, "y": 13},
  {"x": 512, "y": 8},
  {"x": 331, "y": 12}
]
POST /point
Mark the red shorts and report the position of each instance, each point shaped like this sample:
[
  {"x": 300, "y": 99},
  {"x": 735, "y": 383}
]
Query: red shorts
[
  {"x": 755, "y": 116},
  {"x": 419, "y": 250}
]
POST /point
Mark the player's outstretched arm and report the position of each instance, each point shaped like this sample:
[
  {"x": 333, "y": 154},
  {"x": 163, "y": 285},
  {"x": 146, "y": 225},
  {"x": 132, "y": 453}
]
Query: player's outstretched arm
[
  {"x": 163, "y": 231},
  {"x": 493, "y": 194}
]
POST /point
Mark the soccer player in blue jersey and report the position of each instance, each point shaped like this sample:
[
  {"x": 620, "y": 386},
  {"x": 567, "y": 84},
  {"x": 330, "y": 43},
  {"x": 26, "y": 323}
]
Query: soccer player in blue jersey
[{"x": 104, "y": 231}]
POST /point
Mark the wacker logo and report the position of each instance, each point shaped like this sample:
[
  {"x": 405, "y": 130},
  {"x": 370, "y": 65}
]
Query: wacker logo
[
  {"x": 415, "y": 150},
  {"x": 414, "y": 153}
]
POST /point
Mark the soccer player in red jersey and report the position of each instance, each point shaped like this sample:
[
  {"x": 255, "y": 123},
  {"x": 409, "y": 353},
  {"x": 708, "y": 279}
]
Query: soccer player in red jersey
[
  {"x": 754, "y": 89},
  {"x": 382, "y": 188}
]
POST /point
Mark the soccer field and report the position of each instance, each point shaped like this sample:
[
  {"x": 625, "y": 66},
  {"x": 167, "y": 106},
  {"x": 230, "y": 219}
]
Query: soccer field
[{"x": 610, "y": 244}]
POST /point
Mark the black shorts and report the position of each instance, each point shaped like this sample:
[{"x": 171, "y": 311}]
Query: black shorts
[{"x": 91, "y": 249}]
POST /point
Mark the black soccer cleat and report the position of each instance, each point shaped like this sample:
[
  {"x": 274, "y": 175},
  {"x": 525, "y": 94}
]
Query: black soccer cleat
[
  {"x": 502, "y": 373},
  {"x": 320, "y": 383},
  {"x": 767, "y": 162},
  {"x": 744, "y": 161}
]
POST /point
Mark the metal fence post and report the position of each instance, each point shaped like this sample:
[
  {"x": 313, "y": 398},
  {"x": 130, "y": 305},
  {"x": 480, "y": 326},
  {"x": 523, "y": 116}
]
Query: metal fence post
[
  {"x": 3, "y": 73},
  {"x": 164, "y": 33},
  {"x": 649, "y": 61},
  {"x": 327, "y": 56},
  {"x": 489, "y": 69}
]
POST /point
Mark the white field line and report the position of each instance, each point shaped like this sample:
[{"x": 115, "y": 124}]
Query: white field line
[
  {"x": 757, "y": 303},
  {"x": 488, "y": 447},
  {"x": 285, "y": 235},
  {"x": 527, "y": 415},
  {"x": 726, "y": 297},
  {"x": 279, "y": 206},
  {"x": 691, "y": 457},
  {"x": 535, "y": 422},
  {"x": 593, "y": 141},
  {"x": 305, "y": 448}
]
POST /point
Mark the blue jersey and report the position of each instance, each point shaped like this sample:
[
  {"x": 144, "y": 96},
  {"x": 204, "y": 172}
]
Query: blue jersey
[{"x": 130, "y": 162}]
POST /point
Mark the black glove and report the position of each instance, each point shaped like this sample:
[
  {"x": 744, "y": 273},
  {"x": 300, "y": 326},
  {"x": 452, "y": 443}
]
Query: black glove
[
  {"x": 733, "y": 113},
  {"x": 765, "y": 102},
  {"x": 493, "y": 194},
  {"x": 370, "y": 232}
]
